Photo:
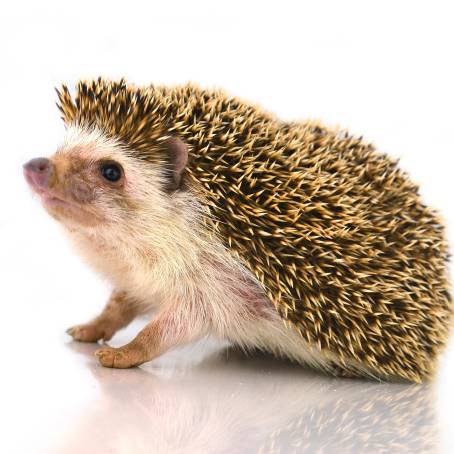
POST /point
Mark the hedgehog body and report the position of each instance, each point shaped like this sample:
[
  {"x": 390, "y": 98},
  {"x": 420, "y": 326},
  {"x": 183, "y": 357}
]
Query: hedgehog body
[{"x": 329, "y": 229}]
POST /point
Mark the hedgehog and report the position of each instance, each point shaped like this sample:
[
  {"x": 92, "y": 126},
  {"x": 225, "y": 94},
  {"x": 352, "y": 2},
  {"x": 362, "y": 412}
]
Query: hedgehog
[{"x": 220, "y": 219}]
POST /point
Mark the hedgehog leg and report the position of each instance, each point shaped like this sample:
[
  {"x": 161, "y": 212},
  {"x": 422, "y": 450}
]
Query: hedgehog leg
[
  {"x": 119, "y": 312},
  {"x": 170, "y": 329}
]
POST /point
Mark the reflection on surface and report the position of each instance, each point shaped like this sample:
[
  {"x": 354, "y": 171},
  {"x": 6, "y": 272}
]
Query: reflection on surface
[{"x": 226, "y": 402}]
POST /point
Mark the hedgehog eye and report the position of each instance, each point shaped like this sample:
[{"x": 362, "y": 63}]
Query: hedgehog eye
[{"x": 111, "y": 171}]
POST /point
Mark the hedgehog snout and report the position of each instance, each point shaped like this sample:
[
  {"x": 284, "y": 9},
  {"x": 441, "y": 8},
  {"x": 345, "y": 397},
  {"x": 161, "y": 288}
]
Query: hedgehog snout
[{"x": 38, "y": 172}]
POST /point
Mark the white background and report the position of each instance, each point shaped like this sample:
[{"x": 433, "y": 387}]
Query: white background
[{"x": 382, "y": 69}]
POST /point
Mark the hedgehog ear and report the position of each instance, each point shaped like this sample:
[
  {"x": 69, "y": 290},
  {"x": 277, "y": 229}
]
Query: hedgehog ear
[{"x": 177, "y": 152}]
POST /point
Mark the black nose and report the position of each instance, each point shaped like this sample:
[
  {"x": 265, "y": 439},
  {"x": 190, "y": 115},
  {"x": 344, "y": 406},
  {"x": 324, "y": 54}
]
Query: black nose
[{"x": 38, "y": 165}]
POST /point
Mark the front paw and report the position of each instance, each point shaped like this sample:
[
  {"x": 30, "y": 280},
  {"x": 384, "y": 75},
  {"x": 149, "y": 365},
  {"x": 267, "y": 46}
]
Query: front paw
[
  {"x": 90, "y": 332},
  {"x": 120, "y": 358}
]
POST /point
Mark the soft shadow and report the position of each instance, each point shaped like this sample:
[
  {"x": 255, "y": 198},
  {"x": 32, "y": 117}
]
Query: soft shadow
[{"x": 227, "y": 402}]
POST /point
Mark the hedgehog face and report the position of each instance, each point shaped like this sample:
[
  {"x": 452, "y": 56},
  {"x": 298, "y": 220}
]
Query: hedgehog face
[{"x": 91, "y": 182}]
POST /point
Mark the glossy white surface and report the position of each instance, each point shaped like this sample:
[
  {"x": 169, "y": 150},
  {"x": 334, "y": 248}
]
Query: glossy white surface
[
  {"x": 202, "y": 399},
  {"x": 382, "y": 69}
]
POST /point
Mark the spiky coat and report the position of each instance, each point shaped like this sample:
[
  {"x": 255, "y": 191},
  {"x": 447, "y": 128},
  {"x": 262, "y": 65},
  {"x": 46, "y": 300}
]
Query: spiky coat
[{"x": 335, "y": 232}]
